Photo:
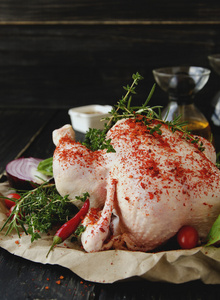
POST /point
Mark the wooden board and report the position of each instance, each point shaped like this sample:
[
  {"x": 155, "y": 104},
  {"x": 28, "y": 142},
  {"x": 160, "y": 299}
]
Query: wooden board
[{"x": 36, "y": 281}]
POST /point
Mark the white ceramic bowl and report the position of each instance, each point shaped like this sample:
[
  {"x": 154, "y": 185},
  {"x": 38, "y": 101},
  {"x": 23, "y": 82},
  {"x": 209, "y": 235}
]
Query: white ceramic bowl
[{"x": 89, "y": 116}]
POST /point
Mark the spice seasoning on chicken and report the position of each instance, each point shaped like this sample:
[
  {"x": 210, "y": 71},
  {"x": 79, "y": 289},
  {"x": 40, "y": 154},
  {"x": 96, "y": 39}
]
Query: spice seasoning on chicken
[{"x": 154, "y": 183}]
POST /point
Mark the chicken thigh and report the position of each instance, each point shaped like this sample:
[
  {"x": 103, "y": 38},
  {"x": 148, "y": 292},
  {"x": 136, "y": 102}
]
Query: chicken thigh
[{"x": 142, "y": 193}]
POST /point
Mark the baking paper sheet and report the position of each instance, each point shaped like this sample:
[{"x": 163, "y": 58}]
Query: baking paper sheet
[{"x": 177, "y": 266}]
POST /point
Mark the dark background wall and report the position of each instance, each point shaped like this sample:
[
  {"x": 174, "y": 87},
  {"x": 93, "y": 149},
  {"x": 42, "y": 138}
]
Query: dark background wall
[{"x": 65, "y": 53}]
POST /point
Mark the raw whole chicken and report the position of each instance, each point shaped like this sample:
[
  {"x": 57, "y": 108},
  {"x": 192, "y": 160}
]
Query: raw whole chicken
[{"x": 143, "y": 193}]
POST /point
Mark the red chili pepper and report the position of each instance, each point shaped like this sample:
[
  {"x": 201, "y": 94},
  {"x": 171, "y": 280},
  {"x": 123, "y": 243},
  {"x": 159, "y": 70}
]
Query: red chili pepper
[{"x": 70, "y": 226}]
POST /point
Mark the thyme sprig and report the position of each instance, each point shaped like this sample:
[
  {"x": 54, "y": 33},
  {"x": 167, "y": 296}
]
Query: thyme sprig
[
  {"x": 95, "y": 139},
  {"x": 38, "y": 210}
]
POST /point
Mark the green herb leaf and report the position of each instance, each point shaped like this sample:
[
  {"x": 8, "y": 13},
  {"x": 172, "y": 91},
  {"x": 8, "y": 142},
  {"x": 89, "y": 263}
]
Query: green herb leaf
[
  {"x": 38, "y": 210},
  {"x": 80, "y": 229},
  {"x": 214, "y": 234},
  {"x": 46, "y": 166},
  {"x": 95, "y": 139},
  {"x": 83, "y": 197}
]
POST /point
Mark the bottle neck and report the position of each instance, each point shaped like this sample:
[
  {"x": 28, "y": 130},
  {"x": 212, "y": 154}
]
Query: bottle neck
[{"x": 182, "y": 100}]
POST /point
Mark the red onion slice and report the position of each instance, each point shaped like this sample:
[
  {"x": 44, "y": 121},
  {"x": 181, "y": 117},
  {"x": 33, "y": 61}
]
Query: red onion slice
[{"x": 22, "y": 173}]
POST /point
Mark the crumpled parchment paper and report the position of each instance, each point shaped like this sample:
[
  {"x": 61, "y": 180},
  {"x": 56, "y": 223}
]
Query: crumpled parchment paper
[{"x": 176, "y": 266}]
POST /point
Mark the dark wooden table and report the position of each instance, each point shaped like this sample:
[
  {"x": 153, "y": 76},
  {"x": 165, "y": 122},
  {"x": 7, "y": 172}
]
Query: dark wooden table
[{"x": 27, "y": 132}]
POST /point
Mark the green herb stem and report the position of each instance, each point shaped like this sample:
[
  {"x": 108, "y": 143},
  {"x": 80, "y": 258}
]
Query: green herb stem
[{"x": 38, "y": 210}]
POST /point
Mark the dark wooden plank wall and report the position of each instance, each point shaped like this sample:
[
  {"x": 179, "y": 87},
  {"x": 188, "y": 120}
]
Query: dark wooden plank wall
[
  {"x": 130, "y": 10},
  {"x": 65, "y": 53}
]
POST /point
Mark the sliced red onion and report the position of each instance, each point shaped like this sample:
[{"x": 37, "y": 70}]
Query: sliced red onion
[{"x": 22, "y": 173}]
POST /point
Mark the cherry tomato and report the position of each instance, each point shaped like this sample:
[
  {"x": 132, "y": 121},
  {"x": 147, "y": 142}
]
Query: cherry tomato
[
  {"x": 10, "y": 203},
  {"x": 187, "y": 237}
]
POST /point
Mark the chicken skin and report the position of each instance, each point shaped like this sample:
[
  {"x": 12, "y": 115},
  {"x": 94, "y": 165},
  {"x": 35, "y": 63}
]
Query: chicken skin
[{"x": 145, "y": 191}]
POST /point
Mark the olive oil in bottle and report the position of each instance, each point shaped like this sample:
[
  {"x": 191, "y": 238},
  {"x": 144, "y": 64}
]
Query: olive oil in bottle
[
  {"x": 200, "y": 128},
  {"x": 197, "y": 124}
]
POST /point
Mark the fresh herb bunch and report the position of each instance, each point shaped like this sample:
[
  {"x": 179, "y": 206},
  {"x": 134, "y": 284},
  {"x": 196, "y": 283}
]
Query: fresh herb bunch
[
  {"x": 39, "y": 210},
  {"x": 95, "y": 138}
]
